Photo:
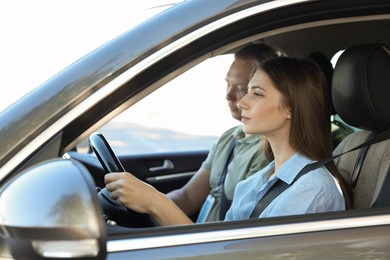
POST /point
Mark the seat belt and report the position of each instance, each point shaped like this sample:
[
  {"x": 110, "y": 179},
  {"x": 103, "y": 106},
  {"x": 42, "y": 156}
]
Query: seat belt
[
  {"x": 225, "y": 203},
  {"x": 210, "y": 200},
  {"x": 228, "y": 160},
  {"x": 279, "y": 188}
]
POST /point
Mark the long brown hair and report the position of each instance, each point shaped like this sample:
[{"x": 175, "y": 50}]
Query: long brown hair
[{"x": 303, "y": 88}]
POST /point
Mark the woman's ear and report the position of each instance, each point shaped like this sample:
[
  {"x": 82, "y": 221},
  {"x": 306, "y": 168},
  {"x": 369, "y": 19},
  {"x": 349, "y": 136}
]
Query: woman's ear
[{"x": 288, "y": 113}]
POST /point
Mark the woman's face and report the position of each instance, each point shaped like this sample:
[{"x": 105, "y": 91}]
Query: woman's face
[{"x": 262, "y": 109}]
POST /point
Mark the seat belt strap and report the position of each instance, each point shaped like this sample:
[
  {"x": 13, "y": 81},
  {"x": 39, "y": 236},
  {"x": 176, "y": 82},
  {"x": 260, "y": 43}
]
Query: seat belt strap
[
  {"x": 359, "y": 162},
  {"x": 271, "y": 195},
  {"x": 225, "y": 203},
  {"x": 228, "y": 160},
  {"x": 279, "y": 186}
]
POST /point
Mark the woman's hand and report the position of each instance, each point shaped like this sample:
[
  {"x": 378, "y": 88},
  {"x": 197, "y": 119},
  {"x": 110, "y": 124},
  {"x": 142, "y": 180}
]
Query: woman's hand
[
  {"x": 141, "y": 197},
  {"x": 131, "y": 192}
]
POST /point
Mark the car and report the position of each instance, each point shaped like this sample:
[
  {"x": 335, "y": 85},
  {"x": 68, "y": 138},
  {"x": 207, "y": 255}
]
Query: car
[{"x": 51, "y": 202}]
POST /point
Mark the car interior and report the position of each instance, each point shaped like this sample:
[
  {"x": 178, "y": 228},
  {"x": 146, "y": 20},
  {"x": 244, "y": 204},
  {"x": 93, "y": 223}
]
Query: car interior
[
  {"x": 362, "y": 70},
  {"x": 367, "y": 187},
  {"x": 359, "y": 95}
]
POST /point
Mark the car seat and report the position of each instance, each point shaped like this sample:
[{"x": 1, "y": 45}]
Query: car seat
[
  {"x": 361, "y": 96},
  {"x": 340, "y": 129}
]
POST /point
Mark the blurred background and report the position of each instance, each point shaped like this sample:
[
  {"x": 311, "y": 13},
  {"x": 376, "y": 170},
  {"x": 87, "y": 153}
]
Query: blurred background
[{"x": 40, "y": 38}]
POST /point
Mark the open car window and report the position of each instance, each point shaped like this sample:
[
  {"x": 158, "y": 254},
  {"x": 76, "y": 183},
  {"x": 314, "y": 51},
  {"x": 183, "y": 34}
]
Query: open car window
[{"x": 186, "y": 114}]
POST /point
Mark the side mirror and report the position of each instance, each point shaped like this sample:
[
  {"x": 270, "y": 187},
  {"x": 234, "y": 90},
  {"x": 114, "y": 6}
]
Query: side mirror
[{"x": 52, "y": 211}]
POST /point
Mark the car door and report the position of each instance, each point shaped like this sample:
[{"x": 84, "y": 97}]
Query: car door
[
  {"x": 324, "y": 236},
  {"x": 342, "y": 235}
]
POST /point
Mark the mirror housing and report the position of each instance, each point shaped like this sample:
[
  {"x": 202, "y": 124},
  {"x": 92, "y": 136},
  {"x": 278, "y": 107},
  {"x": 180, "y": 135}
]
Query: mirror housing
[{"x": 52, "y": 211}]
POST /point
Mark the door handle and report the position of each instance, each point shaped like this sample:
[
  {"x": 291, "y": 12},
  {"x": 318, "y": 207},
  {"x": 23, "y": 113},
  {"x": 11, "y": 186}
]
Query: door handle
[{"x": 167, "y": 165}]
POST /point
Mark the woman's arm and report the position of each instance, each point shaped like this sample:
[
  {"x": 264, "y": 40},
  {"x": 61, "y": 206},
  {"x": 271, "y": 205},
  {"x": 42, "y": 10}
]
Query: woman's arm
[
  {"x": 141, "y": 197},
  {"x": 192, "y": 195}
]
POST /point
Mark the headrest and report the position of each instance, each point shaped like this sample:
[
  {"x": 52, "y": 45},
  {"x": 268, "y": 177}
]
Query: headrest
[{"x": 361, "y": 87}]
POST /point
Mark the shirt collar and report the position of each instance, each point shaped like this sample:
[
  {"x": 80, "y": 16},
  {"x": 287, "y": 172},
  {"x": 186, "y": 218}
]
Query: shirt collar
[{"x": 290, "y": 168}]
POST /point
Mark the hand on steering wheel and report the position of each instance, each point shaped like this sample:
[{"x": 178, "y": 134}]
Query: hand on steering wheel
[{"x": 111, "y": 210}]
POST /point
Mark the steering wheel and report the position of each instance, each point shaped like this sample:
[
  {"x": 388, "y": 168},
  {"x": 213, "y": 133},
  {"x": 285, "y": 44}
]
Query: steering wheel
[{"x": 112, "y": 211}]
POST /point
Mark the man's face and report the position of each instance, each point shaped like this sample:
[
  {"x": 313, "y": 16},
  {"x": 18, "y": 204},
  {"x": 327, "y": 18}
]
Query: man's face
[{"x": 237, "y": 80}]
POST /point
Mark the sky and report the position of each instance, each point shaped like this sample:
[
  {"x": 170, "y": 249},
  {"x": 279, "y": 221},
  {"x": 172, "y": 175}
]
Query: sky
[{"x": 40, "y": 38}]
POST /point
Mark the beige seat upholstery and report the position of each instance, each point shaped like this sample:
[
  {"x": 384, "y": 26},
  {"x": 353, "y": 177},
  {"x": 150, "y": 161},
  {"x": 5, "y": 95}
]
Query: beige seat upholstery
[{"x": 361, "y": 96}]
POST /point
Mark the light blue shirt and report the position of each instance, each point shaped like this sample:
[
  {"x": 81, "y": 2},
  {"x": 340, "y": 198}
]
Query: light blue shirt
[
  {"x": 316, "y": 191},
  {"x": 248, "y": 159}
]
